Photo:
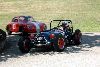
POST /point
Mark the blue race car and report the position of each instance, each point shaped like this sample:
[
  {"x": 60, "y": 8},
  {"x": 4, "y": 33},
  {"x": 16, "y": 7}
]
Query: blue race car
[{"x": 57, "y": 37}]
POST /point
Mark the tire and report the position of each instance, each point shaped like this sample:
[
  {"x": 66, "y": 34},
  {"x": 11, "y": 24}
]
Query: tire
[
  {"x": 77, "y": 37},
  {"x": 2, "y": 35},
  {"x": 60, "y": 45},
  {"x": 2, "y": 46},
  {"x": 2, "y": 40},
  {"x": 24, "y": 44}
]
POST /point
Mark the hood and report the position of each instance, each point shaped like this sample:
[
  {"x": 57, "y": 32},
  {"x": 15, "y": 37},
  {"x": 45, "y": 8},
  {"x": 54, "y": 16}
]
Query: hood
[{"x": 45, "y": 34}]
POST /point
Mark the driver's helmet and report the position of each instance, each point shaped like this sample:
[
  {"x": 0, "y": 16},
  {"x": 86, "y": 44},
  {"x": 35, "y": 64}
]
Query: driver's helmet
[{"x": 64, "y": 23}]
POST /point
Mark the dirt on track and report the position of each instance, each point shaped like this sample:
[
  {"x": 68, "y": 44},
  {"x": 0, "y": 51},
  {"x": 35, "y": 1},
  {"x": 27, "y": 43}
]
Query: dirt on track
[{"x": 85, "y": 55}]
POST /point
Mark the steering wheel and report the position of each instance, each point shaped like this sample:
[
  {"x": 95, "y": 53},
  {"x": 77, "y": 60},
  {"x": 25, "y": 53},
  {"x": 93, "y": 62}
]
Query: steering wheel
[{"x": 55, "y": 28}]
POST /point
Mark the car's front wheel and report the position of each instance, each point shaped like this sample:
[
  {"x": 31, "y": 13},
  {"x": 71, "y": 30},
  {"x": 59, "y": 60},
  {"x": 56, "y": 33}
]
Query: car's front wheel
[
  {"x": 24, "y": 45},
  {"x": 59, "y": 45}
]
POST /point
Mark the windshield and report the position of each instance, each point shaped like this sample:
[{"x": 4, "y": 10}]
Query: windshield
[
  {"x": 57, "y": 23},
  {"x": 23, "y": 19},
  {"x": 26, "y": 19}
]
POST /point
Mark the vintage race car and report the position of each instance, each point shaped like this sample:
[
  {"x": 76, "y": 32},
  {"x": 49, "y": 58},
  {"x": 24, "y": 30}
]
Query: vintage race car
[
  {"x": 2, "y": 39},
  {"x": 56, "y": 38},
  {"x": 25, "y": 24}
]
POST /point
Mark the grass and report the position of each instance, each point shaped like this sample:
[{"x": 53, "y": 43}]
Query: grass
[{"x": 85, "y": 14}]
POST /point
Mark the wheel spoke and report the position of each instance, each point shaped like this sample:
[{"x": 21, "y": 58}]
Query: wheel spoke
[{"x": 61, "y": 43}]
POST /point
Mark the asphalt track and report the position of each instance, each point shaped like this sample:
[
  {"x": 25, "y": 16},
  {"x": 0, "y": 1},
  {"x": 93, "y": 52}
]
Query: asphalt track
[{"x": 85, "y": 55}]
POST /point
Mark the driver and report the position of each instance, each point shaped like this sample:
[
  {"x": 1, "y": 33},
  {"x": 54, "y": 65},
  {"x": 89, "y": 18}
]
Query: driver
[{"x": 64, "y": 26}]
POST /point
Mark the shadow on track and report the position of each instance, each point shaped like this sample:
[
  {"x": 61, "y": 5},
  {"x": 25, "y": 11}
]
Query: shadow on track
[
  {"x": 11, "y": 50},
  {"x": 89, "y": 40}
]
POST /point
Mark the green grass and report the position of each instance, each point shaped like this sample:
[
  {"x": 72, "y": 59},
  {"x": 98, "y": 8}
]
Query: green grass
[{"x": 85, "y": 14}]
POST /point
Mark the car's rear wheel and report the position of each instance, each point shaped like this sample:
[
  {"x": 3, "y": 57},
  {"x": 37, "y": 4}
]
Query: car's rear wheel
[
  {"x": 77, "y": 37},
  {"x": 24, "y": 45},
  {"x": 59, "y": 45}
]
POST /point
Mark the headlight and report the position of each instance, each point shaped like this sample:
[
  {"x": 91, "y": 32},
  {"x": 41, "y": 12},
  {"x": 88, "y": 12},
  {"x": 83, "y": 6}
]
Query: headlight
[{"x": 52, "y": 36}]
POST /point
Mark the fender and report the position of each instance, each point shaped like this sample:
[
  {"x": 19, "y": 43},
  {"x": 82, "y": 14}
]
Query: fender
[{"x": 37, "y": 26}]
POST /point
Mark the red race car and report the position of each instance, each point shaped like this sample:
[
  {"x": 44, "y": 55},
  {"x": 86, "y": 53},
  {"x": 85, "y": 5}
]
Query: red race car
[{"x": 25, "y": 24}]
